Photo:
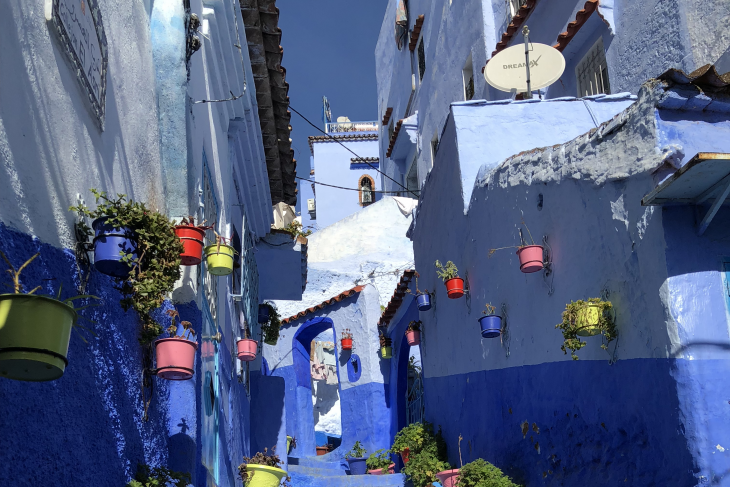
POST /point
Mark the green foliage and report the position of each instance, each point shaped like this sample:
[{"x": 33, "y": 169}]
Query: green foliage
[
  {"x": 422, "y": 468},
  {"x": 188, "y": 332},
  {"x": 414, "y": 326},
  {"x": 159, "y": 477},
  {"x": 427, "y": 455},
  {"x": 380, "y": 459},
  {"x": 264, "y": 458},
  {"x": 357, "y": 451},
  {"x": 271, "y": 327},
  {"x": 446, "y": 272},
  {"x": 414, "y": 367},
  {"x": 295, "y": 228},
  {"x": 414, "y": 436},
  {"x": 573, "y": 322},
  {"x": 157, "y": 268},
  {"x": 481, "y": 473}
]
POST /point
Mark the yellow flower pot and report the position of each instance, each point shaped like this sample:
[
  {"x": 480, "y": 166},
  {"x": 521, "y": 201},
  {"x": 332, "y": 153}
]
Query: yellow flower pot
[
  {"x": 386, "y": 352},
  {"x": 587, "y": 321},
  {"x": 264, "y": 476},
  {"x": 219, "y": 259}
]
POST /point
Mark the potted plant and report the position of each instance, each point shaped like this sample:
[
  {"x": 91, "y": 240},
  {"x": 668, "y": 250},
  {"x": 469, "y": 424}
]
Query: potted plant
[
  {"x": 480, "y": 473},
  {"x": 530, "y": 255},
  {"x": 192, "y": 237},
  {"x": 379, "y": 463},
  {"x": 176, "y": 354},
  {"x": 413, "y": 333},
  {"x": 427, "y": 453},
  {"x": 386, "y": 350},
  {"x": 450, "y": 275},
  {"x": 270, "y": 327},
  {"x": 423, "y": 298},
  {"x": 158, "y": 477},
  {"x": 35, "y": 330},
  {"x": 219, "y": 256},
  {"x": 324, "y": 449},
  {"x": 586, "y": 318},
  {"x": 247, "y": 347},
  {"x": 412, "y": 438},
  {"x": 346, "y": 339},
  {"x": 490, "y": 323},
  {"x": 356, "y": 459},
  {"x": 262, "y": 470},
  {"x": 291, "y": 443}
]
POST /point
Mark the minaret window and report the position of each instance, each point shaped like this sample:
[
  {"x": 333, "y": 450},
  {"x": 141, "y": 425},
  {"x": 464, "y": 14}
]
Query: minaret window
[{"x": 367, "y": 190}]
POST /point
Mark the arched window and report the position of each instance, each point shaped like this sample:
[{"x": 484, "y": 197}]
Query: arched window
[{"x": 367, "y": 190}]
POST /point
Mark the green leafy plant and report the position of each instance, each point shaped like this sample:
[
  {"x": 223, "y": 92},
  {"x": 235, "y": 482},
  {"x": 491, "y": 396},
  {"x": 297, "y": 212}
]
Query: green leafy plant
[
  {"x": 159, "y": 477},
  {"x": 422, "y": 468},
  {"x": 188, "y": 332},
  {"x": 271, "y": 328},
  {"x": 156, "y": 269},
  {"x": 449, "y": 271},
  {"x": 260, "y": 458},
  {"x": 523, "y": 243},
  {"x": 414, "y": 436},
  {"x": 414, "y": 367},
  {"x": 295, "y": 228},
  {"x": 427, "y": 455},
  {"x": 574, "y": 322},
  {"x": 414, "y": 326},
  {"x": 481, "y": 473},
  {"x": 489, "y": 311},
  {"x": 380, "y": 459},
  {"x": 357, "y": 451}
]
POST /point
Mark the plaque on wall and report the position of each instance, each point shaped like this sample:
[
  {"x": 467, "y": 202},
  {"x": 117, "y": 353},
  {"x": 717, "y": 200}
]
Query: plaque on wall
[{"x": 80, "y": 28}]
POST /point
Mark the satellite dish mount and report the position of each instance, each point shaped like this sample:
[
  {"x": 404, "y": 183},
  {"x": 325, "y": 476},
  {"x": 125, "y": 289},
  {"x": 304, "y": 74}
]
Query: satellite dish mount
[{"x": 526, "y": 34}]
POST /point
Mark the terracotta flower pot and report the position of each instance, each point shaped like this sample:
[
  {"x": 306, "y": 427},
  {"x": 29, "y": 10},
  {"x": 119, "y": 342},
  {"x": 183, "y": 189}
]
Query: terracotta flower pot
[
  {"x": 405, "y": 454},
  {"x": 413, "y": 337},
  {"x": 379, "y": 471},
  {"x": 322, "y": 450},
  {"x": 530, "y": 258},
  {"x": 455, "y": 288},
  {"x": 175, "y": 358},
  {"x": 247, "y": 349},
  {"x": 448, "y": 478},
  {"x": 192, "y": 240}
]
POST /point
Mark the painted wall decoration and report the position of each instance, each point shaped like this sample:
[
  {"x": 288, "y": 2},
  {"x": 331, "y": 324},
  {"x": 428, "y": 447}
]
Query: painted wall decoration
[{"x": 79, "y": 25}]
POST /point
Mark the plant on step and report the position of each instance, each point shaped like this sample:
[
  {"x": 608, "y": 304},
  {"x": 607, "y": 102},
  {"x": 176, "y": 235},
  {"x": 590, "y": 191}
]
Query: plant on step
[
  {"x": 380, "y": 459},
  {"x": 415, "y": 436},
  {"x": 523, "y": 242},
  {"x": 449, "y": 271},
  {"x": 156, "y": 268},
  {"x": 246, "y": 471},
  {"x": 147, "y": 476},
  {"x": 188, "y": 332},
  {"x": 271, "y": 328},
  {"x": 428, "y": 455},
  {"x": 295, "y": 228},
  {"x": 481, "y": 473},
  {"x": 586, "y": 318},
  {"x": 414, "y": 326},
  {"x": 357, "y": 451}
]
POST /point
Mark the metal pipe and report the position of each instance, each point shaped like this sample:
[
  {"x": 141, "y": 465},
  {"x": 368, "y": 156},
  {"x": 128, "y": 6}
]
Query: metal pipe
[{"x": 526, "y": 33}]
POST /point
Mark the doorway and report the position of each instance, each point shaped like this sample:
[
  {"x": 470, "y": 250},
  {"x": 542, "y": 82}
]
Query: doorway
[{"x": 327, "y": 413}]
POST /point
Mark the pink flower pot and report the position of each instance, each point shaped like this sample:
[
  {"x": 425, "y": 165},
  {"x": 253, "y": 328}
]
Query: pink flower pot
[
  {"x": 413, "y": 337},
  {"x": 448, "y": 478},
  {"x": 379, "y": 471},
  {"x": 530, "y": 258},
  {"x": 175, "y": 358},
  {"x": 247, "y": 349}
]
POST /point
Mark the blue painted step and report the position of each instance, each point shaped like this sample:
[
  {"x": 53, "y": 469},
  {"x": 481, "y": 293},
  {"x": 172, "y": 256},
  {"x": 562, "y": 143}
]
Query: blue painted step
[
  {"x": 304, "y": 476},
  {"x": 322, "y": 462}
]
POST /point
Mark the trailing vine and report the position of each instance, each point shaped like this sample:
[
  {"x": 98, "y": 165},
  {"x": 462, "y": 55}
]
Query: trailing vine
[
  {"x": 574, "y": 323},
  {"x": 270, "y": 329}
]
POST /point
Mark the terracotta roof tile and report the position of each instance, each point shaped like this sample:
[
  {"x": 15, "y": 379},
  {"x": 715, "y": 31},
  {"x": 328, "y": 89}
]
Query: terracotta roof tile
[
  {"x": 416, "y": 33},
  {"x": 393, "y": 138},
  {"x": 340, "y": 138},
  {"x": 580, "y": 18},
  {"x": 514, "y": 26},
  {"x": 397, "y": 299},
  {"x": 386, "y": 117},
  {"x": 707, "y": 78},
  {"x": 324, "y": 304}
]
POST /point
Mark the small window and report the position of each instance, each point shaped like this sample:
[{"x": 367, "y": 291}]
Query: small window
[
  {"x": 592, "y": 72},
  {"x": 468, "y": 77},
  {"x": 421, "y": 59},
  {"x": 367, "y": 190}
]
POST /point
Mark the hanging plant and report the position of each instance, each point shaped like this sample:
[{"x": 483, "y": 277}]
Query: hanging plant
[
  {"x": 263, "y": 470},
  {"x": 423, "y": 298},
  {"x": 530, "y": 255},
  {"x": 490, "y": 323},
  {"x": 450, "y": 275},
  {"x": 247, "y": 347},
  {"x": 219, "y": 256},
  {"x": 176, "y": 354},
  {"x": 271, "y": 327},
  {"x": 155, "y": 263},
  {"x": 413, "y": 333},
  {"x": 346, "y": 340},
  {"x": 586, "y": 318},
  {"x": 386, "y": 350},
  {"x": 295, "y": 228},
  {"x": 192, "y": 237}
]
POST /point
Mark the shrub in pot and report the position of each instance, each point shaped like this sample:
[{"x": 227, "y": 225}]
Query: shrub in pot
[
  {"x": 490, "y": 323},
  {"x": 586, "y": 318},
  {"x": 346, "y": 340},
  {"x": 481, "y": 473},
  {"x": 35, "y": 330},
  {"x": 192, "y": 237},
  {"x": 450, "y": 275},
  {"x": 263, "y": 470},
  {"x": 412, "y": 438},
  {"x": 386, "y": 349},
  {"x": 356, "y": 459},
  {"x": 530, "y": 255},
  {"x": 270, "y": 327},
  {"x": 413, "y": 333},
  {"x": 379, "y": 463},
  {"x": 176, "y": 354},
  {"x": 159, "y": 477},
  {"x": 427, "y": 453}
]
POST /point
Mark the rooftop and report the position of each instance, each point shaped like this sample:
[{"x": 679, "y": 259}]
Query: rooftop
[{"x": 324, "y": 304}]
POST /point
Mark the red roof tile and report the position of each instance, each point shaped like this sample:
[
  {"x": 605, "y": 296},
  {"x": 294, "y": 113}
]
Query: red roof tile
[
  {"x": 397, "y": 299},
  {"x": 514, "y": 26},
  {"x": 416, "y": 33},
  {"x": 386, "y": 117},
  {"x": 314, "y": 309},
  {"x": 393, "y": 137},
  {"x": 580, "y": 18}
]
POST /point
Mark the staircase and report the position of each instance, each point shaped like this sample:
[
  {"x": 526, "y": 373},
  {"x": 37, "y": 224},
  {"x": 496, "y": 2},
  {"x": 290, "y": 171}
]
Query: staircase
[{"x": 313, "y": 472}]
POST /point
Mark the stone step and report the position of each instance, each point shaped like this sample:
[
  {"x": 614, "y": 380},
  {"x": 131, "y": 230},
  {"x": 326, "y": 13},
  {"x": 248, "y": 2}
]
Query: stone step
[
  {"x": 321, "y": 462},
  {"x": 300, "y": 478},
  {"x": 317, "y": 471}
]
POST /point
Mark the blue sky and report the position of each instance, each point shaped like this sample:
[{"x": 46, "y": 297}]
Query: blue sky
[{"x": 329, "y": 50}]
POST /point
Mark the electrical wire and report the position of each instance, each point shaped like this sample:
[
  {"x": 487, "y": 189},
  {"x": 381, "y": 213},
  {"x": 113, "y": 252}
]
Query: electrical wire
[
  {"x": 341, "y": 187},
  {"x": 350, "y": 150}
]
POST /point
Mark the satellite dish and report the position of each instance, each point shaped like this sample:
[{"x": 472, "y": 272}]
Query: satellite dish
[{"x": 506, "y": 71}]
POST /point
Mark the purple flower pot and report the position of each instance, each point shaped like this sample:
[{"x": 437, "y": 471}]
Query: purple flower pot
[
  {"x": 423, "y": 301},
  {"x": 491, "y": 326},
  {"x": 357, "y": 466},
  {"x": 109, "y": 243}
]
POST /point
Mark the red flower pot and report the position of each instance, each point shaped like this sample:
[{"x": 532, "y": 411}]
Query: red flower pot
[
  {"x": 175, "y": 358},
  {"x": 455, "y": 288},
  {"x": 405, "y": 454},
  {"x": 192, "y": 240},
  {"x": 413, "y": 337},
  {"x": 379, "y": 471},
  {"x": 321, "y": 450},
  {"x": 530, "y": 258},
  {"x": 347, "y": 344},
  {"x": 448, "y": 478},
  {"x": 247, "y": 349}
]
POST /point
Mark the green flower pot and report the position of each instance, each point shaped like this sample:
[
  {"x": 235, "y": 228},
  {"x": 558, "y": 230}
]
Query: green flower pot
[
  {"x": 587, "y": 321},
  {"x": 34, "y": 336},
  {"x": 219, "y": 259},
  {"x": 264, "y": 476}
]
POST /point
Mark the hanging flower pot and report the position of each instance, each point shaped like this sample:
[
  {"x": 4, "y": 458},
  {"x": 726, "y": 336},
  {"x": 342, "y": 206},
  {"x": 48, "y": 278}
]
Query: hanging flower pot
[
  {"x": 192, "y": 240},
  {"x": 530, "y": 258},
  {"x": 587, "y": 321},
  {"x": 379, "y": 471},
  {"x": 423, "y": 301},
  {"x": 110, "y": 245},
  {"x": 289, "y": 441},
  {"x": 263, "y": 313},
  {"x": 175, "y": 358},
  {"x": 405, "y": 455},
  {"x": 247, "y": 349},
  {"x": 491, "y": 326},
  {"x": 386, "y": 352},
  {"x": 450, "y": 275},
  {"x": 455, "y": 288},
  {"x": 413, "y": 333},
  {"x": 34, "y": 337},
  {"x": 264, "y": 476},
  {"x": 347, "y": 344},
  {"x": 219, "y": 259},
  {"x": 448, "y": 478}
]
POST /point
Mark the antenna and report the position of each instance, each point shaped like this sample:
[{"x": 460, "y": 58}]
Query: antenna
[{"x": 526, "y": 33}]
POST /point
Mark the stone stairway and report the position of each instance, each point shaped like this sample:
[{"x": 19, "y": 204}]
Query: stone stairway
[{"x": 315, "y": 472}]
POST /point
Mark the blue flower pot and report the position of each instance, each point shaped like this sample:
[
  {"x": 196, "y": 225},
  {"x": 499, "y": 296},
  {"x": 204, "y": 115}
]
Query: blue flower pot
[
  {"x": 491, "y": 326},
  {"x": 423, "y": 301},
  {"x": 109, "y": 242},
  {"x": 357, "y": 466},
  {"x": 263, "y": 313}
]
